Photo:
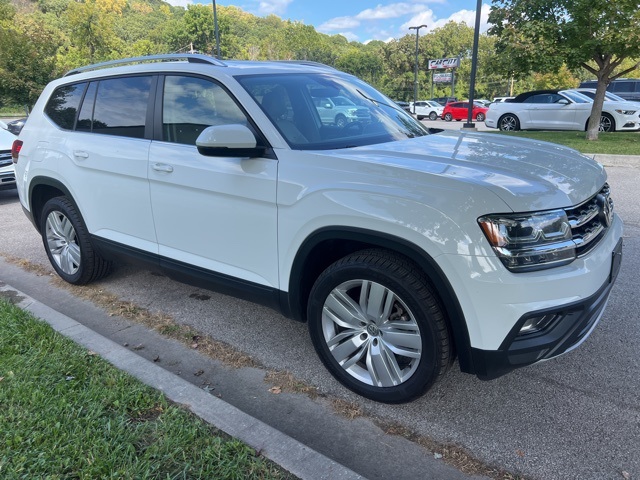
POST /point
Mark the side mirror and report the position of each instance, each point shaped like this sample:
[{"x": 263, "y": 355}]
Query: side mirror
[
  {"x": 327, "y": 105},
  {"x": 564, "y": 101},
  {"x": 233, "y": 140}
]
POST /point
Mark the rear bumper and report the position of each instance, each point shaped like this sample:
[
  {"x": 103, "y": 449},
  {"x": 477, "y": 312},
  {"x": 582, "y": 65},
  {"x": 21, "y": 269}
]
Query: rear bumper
[{"x": 574, "y": 323}]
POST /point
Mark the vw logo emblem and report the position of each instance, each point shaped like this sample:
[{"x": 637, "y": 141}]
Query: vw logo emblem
[{"x": 605, "y": 206}]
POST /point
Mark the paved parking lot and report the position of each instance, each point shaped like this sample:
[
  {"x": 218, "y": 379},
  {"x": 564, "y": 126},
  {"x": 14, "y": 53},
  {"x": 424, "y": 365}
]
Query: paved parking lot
[{"x": 577, "y": 416}]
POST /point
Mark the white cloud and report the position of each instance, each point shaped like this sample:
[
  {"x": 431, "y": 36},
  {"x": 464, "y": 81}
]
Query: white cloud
[
  {"x": 466, "y": 16},
  {"x": 338, "y": 23},
  {"x": 180, "y": 3},
  {"x": 277, "y": 7},
  {"x": 394, "y": 10}
]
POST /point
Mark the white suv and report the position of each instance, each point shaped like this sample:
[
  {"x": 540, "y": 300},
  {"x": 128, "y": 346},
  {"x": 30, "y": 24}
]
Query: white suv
[{"x": 401, "y": 249}]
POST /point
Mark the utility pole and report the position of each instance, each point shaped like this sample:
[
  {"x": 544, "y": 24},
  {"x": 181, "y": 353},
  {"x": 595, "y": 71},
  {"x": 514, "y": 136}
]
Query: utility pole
[
  {"x": 474, "y": 66},
  {"x": 415, "y": 77}
]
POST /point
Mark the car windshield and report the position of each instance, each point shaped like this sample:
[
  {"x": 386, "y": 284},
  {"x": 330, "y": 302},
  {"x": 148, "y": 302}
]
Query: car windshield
[
  {"x": 296, "y": 104},
  {"x": 577, "y": 97}
]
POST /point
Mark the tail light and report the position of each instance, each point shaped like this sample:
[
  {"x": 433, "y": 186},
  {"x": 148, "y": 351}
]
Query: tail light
[{"x": 15, "y": 150}]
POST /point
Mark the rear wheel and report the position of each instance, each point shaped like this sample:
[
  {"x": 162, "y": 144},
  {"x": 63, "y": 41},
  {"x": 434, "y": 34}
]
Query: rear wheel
[
  {"x": 480, "y": 117},
  {"x": 378, "y": 326},
  {"x": 68, "y": 245},
  {"x": 509, "y": 123},
  {"x": 433, "y": 116},
  {"x": 448, "y": 117}
]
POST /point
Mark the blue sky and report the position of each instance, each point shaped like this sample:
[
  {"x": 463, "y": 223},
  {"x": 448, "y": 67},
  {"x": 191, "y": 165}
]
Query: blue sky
[{"x": 361, "y": 20}]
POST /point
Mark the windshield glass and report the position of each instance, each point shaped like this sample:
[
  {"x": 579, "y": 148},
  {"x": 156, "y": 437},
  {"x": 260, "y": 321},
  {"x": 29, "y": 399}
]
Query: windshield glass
[
  {"x": 577, "y": 97},
  {"x": 321, "y": 111}
]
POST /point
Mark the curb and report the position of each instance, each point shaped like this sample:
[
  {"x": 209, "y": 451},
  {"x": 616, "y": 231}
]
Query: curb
[
  {"x": 616, "y": 160},
  {"x": 293, "y": 456}
]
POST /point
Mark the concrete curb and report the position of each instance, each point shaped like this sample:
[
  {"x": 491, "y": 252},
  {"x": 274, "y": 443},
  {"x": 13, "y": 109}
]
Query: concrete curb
[
  {"x": 287, "y": 452},
  {"x": 616, "y": 160}
]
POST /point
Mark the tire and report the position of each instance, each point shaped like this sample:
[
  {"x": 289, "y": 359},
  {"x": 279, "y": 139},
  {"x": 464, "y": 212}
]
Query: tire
[
  {"x": 68, "y": 245},
  {"x": 433, "y": 116},
  {"x": 509, "y": 123},
  {"x": 607, "y": 123},
  {"x": 341, "y": 120},
  {"x": 448, "y": 117},
  {"x": 480, "y": 117},
  {"x": 401, "y": 306},
  {"x": 420, "y": 117}
]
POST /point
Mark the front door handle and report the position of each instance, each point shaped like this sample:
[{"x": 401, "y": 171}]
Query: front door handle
[
  {"x": 162, "y": 167},
  {"x": 81, "y": 154}
]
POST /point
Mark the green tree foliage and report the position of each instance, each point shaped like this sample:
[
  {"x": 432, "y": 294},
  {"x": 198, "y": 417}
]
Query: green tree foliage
[{"x": 542, "y": 35}]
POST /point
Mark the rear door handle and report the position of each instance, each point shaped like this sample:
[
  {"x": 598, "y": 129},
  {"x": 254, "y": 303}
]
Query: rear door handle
[
  {"x": 80, "y": 154},
  {"x": 162, "y": 167}
]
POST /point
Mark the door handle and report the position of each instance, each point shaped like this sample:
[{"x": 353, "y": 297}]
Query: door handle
[
  {"x": 162, "y": 167},
  {"x": 81, "y": 154}
]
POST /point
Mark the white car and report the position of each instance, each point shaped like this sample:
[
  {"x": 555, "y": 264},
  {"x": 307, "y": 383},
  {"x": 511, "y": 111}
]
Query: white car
[
  {"x": 401, "y": 249},
  {"x": 426, "y": 109},
  {"x": 560, "y": 110},
  {"x": 7, "y": 174}
]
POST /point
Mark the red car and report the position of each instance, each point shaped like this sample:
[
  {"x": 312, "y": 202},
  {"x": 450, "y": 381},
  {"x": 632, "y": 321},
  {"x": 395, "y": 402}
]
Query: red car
[{"x": 460, "y": 110}]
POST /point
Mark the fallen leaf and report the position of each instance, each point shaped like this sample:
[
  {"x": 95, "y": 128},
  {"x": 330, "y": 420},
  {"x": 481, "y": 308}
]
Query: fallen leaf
[
  {"x": 198, "y": 373},
  {"x": 276, "y": 390},
  {"x": 138, "y": 347},
  {"x": 520, "y": 453},
  {"x": 437, "y": 456},
  {"x": 194, "y": 345},
  {"x": 208, "y": 388},
  {"x": 626, "y": 475},
  {"x": 91, "y": 353},
  {"x": 157, "y": 359}
]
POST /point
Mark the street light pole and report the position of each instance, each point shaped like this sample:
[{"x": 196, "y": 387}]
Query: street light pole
[
  {"x": 415, "y": 77},
  {"x": 215, "y": 27},
  {"x": 474, "y": 66}
]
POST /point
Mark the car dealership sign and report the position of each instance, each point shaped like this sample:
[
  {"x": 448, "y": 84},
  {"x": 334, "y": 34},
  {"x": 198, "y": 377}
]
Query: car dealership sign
[
  {"x": 442, "y": 77},
  {"x": 444, "y": 63}
]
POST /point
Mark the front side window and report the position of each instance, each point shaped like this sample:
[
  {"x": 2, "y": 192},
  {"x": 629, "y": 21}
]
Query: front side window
[
  {"x": 63, "y": 105},
  {"x": 121, "y": 106},
  {"x": 191, "y": 104}
]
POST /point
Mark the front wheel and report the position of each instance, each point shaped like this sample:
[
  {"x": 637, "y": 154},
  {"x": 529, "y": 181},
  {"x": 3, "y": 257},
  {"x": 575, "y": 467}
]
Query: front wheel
[
  {"x": 68, "y": 245},
  {"x": 448, "y": 117},
  {"x": 340, "y": 120},
  {"x": 607, "y": 123},
  {"x": 378, "y": 326}
]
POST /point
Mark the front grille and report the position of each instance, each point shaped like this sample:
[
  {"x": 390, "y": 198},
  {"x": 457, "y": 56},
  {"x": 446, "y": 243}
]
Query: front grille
[
  {"x": 363, "y": 113},
  {"x": 590, "y": 220},
  {"x": 5, "y": 158}
]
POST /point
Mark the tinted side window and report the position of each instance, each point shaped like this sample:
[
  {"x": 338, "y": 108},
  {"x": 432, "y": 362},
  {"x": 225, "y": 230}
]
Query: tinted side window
[
  {"x": 624, "y": 86},
  {"x": 191, "y": 104},
  {"x": 121, "y": 106},
  {"x": 63, "y": 105}
]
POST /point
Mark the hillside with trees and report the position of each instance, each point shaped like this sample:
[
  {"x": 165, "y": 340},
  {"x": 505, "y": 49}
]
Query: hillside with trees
[{"x": 42, "y": 39}]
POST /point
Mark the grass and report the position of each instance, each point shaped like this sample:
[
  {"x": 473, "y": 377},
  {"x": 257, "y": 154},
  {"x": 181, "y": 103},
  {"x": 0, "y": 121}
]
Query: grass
[
  {"x": 618, "y": 143},
  {"x": 67, "y": 413}
]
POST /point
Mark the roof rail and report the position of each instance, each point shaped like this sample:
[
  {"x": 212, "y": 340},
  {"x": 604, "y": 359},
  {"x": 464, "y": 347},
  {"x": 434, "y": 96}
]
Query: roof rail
[
  {"x": 190, "y": 57},
  {"x": 306, "y": 62}
]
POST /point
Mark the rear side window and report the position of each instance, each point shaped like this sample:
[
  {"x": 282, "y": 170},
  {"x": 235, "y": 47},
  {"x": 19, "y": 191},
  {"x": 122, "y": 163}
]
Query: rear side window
[
  {"x": 625, "y": 86},
  {"x": 121, "y": 106},
  {"x": 62, "y": 107}
]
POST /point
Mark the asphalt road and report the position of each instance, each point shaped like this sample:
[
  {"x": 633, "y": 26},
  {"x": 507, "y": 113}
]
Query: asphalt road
[{"x": 577, "y": 416}]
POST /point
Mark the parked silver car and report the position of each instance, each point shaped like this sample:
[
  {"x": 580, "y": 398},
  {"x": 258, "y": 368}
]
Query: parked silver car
[{"x": 339, "y": 111}]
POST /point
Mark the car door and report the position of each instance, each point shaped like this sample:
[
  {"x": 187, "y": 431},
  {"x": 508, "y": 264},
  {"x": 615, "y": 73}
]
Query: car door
[
  {"x": 213, "y": 213},
  {"x": 109, "y": 152},
  {"x": 550, "y": 111}
]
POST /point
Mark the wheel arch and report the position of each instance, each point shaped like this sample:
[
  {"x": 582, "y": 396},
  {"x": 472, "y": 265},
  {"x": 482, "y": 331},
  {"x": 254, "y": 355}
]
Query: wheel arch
[
  {"x": 323, "y": 247},
  {"x": 41, "y": 190}
]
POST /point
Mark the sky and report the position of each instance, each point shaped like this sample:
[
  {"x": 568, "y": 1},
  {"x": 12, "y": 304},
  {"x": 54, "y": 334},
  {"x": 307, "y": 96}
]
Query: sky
[{"x": 362, "y": 20}]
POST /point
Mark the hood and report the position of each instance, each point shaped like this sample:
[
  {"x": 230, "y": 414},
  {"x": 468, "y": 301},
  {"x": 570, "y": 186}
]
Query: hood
[{"x": 526, "y": 174}]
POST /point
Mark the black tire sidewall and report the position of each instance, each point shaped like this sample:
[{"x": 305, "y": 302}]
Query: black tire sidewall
[
  {"x": 65, "y": 207},
  {"x": 429, "y": 367}
]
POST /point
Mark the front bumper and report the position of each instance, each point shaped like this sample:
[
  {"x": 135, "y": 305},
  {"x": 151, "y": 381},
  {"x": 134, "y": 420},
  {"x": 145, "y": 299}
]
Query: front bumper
[{"x": 574, "y": 323}]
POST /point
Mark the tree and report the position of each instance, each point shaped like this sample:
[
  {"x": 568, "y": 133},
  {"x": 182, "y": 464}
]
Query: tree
[{"x": 541, "y": 35}]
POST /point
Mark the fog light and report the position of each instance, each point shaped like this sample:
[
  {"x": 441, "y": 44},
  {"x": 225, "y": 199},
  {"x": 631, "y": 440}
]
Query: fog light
[{"x": 537, "y": 324}]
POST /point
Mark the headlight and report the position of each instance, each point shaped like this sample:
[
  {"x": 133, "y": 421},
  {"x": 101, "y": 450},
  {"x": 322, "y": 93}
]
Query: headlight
[
  {"x": 626, "y": 112},
  {"x": 531, "y": 241}
]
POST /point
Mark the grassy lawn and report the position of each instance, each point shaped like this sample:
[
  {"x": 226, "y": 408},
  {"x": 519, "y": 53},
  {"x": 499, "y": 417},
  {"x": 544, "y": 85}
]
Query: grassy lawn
[
  {"x": 619, "y": 143},
  {"x": 67, "y": 413}
]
